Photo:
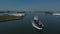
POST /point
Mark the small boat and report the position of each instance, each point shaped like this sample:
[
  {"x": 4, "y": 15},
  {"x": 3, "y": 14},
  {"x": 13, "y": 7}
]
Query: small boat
[{"x": 37, "y": 24}]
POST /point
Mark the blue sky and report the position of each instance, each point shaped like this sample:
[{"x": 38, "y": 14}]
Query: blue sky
[{"x": 30, "y": 5}]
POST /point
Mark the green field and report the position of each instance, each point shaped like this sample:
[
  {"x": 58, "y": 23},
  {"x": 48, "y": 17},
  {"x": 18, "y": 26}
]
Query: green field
[{"x": 7, "y": 17}]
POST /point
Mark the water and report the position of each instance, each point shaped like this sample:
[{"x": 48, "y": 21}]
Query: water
[{"x": 24, "y": 26}]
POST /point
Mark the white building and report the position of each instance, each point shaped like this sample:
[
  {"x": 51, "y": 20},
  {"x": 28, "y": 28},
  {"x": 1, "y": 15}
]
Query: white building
[
  {"x": 56, "y": 14},
  {"x": 17, "y": 14}
]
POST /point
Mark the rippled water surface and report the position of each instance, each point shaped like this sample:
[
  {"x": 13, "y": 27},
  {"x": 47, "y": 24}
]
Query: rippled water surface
[{"x": 24, "y": 26}]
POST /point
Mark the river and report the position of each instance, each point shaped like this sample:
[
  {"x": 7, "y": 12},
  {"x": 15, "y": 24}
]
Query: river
[{"x": 24, "y": 26}]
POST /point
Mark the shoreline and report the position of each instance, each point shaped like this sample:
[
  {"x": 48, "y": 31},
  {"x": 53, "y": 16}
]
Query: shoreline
[{"x": 10, "y": 18}]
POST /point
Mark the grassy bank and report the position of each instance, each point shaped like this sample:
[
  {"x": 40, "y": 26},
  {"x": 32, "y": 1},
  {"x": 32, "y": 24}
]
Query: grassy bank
[{"x": 7, "y": 17}]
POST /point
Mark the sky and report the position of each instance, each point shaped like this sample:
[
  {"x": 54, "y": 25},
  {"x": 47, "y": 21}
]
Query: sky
[{"x": 30, "y": 5}]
